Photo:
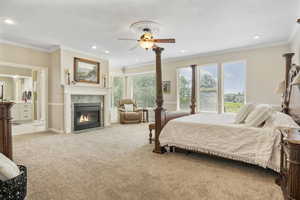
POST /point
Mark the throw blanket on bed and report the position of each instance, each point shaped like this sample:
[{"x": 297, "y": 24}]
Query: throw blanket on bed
[{"x": 217, "y": 135}]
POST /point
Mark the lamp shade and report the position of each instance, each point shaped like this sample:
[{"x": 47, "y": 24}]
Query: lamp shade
[
  {"x": 296, "y": 80},
  {"x": 281, "y": 88}
]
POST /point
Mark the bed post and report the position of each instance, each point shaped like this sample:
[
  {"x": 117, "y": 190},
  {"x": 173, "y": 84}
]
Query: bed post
[
  {"x": 159, "y": 111},
  {"x": 288, "y": 60},
  {"x": 193, "y": 98}
]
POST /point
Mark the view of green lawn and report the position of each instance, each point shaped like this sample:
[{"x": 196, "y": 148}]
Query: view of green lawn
[{"x": 232, "y": 107}]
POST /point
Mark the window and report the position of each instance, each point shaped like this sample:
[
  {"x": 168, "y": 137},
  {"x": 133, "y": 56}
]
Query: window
[
  {"x": 185, "y": 87},
  {"x": 144, "y": 90},
  {"x": 118, "y": 90},
  {"x": 220, "y": 87},
  {"x": 234, "y": 79},
  {"x": 208, "y": 88}
]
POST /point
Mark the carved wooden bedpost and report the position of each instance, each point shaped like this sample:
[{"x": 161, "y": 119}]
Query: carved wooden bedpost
[
  {"x": 288, "y": 61},
  {"x": 5, "y": 129},
  {"x": 193, "y": 98},
  {"x": 159, "y": 111}
]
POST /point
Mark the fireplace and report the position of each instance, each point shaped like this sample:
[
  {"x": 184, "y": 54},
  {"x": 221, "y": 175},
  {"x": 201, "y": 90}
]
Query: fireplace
[{"x": 87, "y": 115}]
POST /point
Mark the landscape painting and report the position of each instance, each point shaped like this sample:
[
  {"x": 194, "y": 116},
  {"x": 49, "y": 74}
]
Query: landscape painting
[{"x": 86, "y": 71}]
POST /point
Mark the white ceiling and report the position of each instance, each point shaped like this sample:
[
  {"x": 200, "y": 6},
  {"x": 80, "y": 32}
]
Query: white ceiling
[{"x": 199, "y": 26}]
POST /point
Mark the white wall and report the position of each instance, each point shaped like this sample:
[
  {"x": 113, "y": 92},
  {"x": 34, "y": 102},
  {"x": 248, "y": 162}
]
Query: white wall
[{"x": 265, "y": 69}]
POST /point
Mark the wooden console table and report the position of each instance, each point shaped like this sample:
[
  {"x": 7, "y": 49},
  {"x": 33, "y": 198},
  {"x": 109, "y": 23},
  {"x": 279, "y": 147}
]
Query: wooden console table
[
  {"x": 5, "y": 129},
  {"x": 289, "y": 179}
]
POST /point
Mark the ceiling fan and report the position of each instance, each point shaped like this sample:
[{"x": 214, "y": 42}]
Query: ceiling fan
[{"x": 147, "y": 41}]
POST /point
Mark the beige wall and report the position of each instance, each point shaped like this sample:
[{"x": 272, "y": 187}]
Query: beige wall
[
  {"x": 15, "y": 71},
  {"x": 24, "y": 56},
  {"x": 55, "y": 96},
  {"x": 265, "y": 69},
  {"x": 295, "y": 46}
]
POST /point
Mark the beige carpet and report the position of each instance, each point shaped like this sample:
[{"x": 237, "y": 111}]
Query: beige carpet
[{"x": 118, "y": 163}]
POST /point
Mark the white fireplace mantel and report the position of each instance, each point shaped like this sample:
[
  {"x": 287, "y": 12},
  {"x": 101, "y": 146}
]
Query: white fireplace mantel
[{"x": 84, "y": 90}]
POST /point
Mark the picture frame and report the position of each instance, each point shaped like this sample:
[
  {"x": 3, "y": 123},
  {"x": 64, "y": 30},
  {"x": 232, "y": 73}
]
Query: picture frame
[
  {"x": 167, "y": 87},
  {"x": 86, "y": 71}
]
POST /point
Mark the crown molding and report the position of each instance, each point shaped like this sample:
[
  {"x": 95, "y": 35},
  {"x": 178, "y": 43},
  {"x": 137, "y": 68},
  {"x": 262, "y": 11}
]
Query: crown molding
[
  {"x": 66, "y": 48},
  {"x": 24, "y": 45},
  {"x": 213, "y": 53},
  {"x": 52, "y": 49}
]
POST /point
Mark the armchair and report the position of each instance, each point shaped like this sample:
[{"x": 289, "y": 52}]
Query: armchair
[{"x": 129, "y": 117}]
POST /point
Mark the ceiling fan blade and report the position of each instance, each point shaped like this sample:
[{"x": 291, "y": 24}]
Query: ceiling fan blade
[
  {"x": 134, "y": 47},
  {"x": 298, "y": 20},
  {"x": 171, "y": 40},
  {"x": 127, "y": 39}
]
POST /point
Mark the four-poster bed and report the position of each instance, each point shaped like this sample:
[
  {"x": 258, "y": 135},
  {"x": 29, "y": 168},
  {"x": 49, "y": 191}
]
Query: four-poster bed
[{"x": 286, "y": 163}]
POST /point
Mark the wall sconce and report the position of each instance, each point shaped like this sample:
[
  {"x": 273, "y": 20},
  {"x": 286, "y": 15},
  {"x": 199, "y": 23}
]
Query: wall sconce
[{"x": 67, "y": 72}]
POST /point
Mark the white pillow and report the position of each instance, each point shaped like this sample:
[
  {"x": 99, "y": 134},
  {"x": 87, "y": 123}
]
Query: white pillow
[
  {"x": 128, "y": 107},
  {"x": 259, "y": 115},
  {"x": 8, "y": 169},
  {"x": 279, "y": 119},
  {"x": 243, "y": 113}
]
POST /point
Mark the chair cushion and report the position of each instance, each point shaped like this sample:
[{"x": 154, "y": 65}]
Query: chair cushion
[
  {"x": 132, "y": 116},
  {"x": 128, "y": 107}
]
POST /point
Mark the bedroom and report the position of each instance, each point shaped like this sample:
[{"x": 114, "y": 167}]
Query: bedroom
[{"x": 105, "y": 91}]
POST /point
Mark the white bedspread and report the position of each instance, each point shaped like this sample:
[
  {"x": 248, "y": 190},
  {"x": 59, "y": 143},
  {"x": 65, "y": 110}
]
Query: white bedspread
[{"x": 217, "y": 134}]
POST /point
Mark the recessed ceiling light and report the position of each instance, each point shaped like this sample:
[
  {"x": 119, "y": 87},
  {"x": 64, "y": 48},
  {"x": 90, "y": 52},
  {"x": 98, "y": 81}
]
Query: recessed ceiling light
[
  {"x": 106, "y": 51},
  {"x": 9, "y": 21},
  {"x": 256, "y": 37},
  {"x": 182, "y": 51},
  {"x": 94, "y": 47}
]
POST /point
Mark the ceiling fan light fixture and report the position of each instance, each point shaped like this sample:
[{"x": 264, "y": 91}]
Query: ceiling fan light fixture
[{"x": 146, "y": 44}]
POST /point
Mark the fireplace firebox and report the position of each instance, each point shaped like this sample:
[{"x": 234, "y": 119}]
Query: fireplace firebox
[{"x": 87, "y": 115}]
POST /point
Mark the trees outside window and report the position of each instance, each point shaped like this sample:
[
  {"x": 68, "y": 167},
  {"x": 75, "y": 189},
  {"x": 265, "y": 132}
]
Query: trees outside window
[
  {"x": 234, "y": 85},
  {"x": 221, "y": 87},
  {"x": 185, "y": 87},
  {"x": 144, "y": 90},
  {"x": 208, "y": 88},
  {"x": 118, "y": 90}
]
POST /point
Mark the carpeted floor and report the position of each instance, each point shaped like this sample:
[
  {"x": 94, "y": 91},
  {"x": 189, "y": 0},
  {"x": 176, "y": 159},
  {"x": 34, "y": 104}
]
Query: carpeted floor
[{"x": 118, "y": 163}]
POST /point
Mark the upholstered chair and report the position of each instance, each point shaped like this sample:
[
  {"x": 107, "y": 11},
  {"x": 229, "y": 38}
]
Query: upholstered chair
[{"x": 126, "y": 117}]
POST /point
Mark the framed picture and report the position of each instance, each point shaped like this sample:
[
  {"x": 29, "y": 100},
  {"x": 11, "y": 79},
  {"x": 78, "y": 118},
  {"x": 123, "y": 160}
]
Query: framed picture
[
  {"x": 86, "y": 71},
  {"x": 167, "y": 87}
]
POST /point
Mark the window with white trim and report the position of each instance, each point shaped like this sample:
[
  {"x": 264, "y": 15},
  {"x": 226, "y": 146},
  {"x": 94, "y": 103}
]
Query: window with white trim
[
  {"x": 220, "y": 87},
  {"x": 208, "y": 88},
  {"x": 143, "y": 90},
  {"x": 234, "y": 82},
  {"x": 184, "y": 88}
]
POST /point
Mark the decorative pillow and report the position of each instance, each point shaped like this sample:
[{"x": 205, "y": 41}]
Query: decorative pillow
[
  {"x": 244, "y": 112},
  {"x": 8, "y": 169},
  {"x": 128, "y": 107},
  {"x": 279, "y": 119},
  {"x": 259, "y": 115}
]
